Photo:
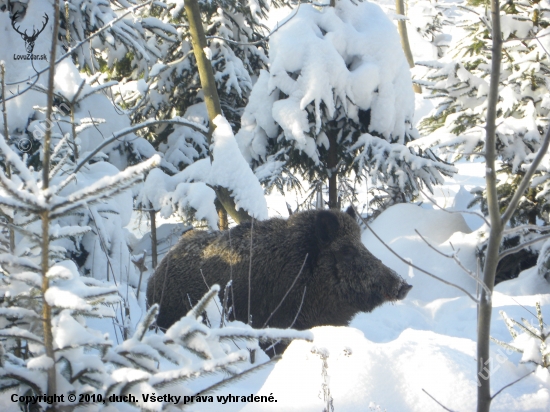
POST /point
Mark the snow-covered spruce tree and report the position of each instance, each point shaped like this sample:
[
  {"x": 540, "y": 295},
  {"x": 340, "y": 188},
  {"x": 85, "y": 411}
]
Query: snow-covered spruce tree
[
  {"x": 337, "y": 101},
  {"x": 88, "y": 122},
  {"x": 184, "y": 146},
  {"x": 456, "y": 126},
  {"x": 128, "y": 39},
  {"x": 192, "y": 187},
  {"x": 461, "y": 80},
  {"x": 172, "y": 86},
  {"x": 86, "y": 362}
]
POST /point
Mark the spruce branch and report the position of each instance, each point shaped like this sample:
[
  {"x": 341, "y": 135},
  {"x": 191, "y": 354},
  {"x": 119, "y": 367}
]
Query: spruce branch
[
  {"x": 522, "y": 246},
  {"x": 200, "y": 307},
  {"x": 69, "y": 53},
  {"x": 526, "y": 180},
  {"x": 148, "y": 123}
]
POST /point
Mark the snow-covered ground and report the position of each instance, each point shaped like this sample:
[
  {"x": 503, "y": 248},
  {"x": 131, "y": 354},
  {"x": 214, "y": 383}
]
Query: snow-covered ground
[
  {"x": 400, "y": 355},
  {"x": 388, "y": 359},
  {"x": 392, "y": 358}
]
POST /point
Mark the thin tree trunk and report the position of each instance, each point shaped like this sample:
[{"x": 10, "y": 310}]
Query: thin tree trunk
[
  {"x": 6, "y": 136},
  {"x": 154, "y": 253},
  {"x": 45, "y": 216},
  {"x": 532, "y": 215},
  {"x": 223, "y": 224},
  {"x": 211, "y": 97},
  {"x": 332, "y": 162},
  {"x": 402, "y": 27},
  {"x": 497, "y": 224}
]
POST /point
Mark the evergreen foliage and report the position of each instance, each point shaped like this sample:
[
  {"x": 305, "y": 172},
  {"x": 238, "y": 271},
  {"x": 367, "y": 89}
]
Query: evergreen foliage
[
  {"x": 335, "y": 104},
  {"x": 171, "y": 87},
  {"x": 460, "y": 81},
  {"x": 526, "y": 337}
]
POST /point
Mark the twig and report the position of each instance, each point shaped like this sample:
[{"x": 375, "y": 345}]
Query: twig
[
  {"x": 299, "y": 308},
  {"x": 527, "y": 228},
  {"x": 522, "y": 246},
  {"x": 510, "y": 384},
  {"x": 263, "y": 39},
  {"x": 469, "y": 212},
  {"x": 231, "y": 277},
  {"x": 436, "y": 401},
  {"x": 250, "y": 269},
  {"x": 458, "y": 262},
  {"x": 535, "y": 316},
  {"x": 208, "y": 287},
  {"x": 168, "y": 258},
  {"x": 272, "y": 346},
  {"x": 286, "y": 294},
  {"x": 409, "y": 263},
  {"x": 103, "y": 245},
  {"x": 128, "y": 130},
  {"x": 224, "y": 304}
]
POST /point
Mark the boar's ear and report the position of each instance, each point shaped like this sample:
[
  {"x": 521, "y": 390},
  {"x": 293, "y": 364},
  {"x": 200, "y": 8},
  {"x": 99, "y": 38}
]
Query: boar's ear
[
  {"x": 326, "y": 226},
  {"x": 351, "y": 211}
]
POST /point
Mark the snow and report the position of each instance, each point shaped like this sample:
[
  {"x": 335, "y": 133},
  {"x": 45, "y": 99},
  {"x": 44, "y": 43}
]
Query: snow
[
  {"x": 40, "y": 363},
  {"x": 392, "y": 375},
  {"x": 192, "y": 187},
  {"x": 432, "y": 331},
  {"x": 347, "y": 53},
  {"x": 397, "y": 226},
  {"x": 231, "y": 171},
  {"x": 385, "y": 360}
]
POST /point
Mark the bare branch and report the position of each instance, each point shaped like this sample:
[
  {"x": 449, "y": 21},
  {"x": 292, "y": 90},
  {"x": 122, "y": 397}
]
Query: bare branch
[
  {"x": 458, "y": 262},
  {"x": 250, "y": 271},
  {"x": 436, "y": 401},
  {"x": 469, "y": 212},
  {"x": 526, "y": 228},
  {"x": 510, "y": 384},
  {"x": 299, "y": 308},
  {"x": 286, "y": 294},
  {"x": 411, "y": 264},
  {"x": 513, "y": 250},
  {"x": 272, "y": 346}
]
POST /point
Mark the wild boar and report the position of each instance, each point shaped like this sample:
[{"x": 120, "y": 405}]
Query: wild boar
[{"x": 339, "y": 278}]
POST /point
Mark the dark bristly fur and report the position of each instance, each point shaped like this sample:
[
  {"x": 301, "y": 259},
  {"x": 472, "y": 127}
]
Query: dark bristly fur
[{"x": 341, "y": 275}]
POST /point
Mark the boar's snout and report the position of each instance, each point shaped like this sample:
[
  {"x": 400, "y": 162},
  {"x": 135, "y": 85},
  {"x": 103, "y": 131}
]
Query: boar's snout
[{"x": 403, "y": 290}]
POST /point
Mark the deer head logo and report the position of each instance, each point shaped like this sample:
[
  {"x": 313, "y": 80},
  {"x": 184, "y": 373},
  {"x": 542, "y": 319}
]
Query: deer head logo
[{"x": 29, "y": 40}]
